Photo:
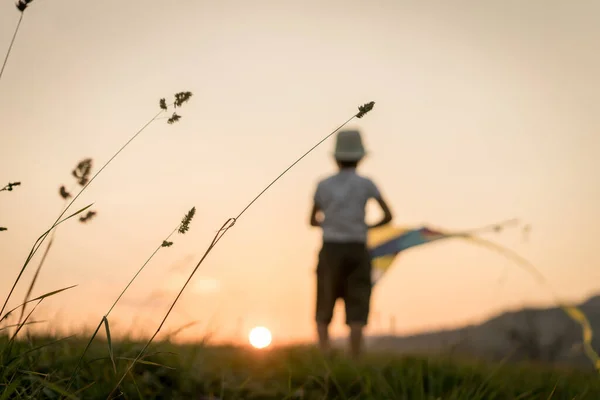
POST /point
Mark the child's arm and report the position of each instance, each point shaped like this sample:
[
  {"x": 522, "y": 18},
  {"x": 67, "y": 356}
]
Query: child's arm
[
  {"x": 387, "y": 213},
  {"x": 313, "y": 215}
]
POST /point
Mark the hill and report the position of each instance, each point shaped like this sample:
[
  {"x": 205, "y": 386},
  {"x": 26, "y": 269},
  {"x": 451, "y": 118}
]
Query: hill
[{"x": 535, "y": 334}]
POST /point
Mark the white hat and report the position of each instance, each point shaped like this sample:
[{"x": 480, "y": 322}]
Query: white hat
[{"x": 349, "y": 146}]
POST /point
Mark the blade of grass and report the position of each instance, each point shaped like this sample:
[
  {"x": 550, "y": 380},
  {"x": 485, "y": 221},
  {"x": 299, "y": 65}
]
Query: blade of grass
[
  {"x": 553, "y": 390},
  {"x": 155, "y": 364},
  {"x": 10, "y": 389},
  {"x": 33, "y": 373},
  {"x": 142, "y": 268},
  {"x": 52, "y": 293},
  {"x": 228, "y": 225},
  {"x": 7, "y": 350},
  {"x": 38, "y": 348},
  {"x": 32, "y": 253},
  {"x": 37, "y": 273},
  {"x": 177, "y": 228},
  {"x": 80, "y": 360},
  {"x": 86, "y": 387},
  {"x": 136, "y": 385},
  {"x": 142, "y": 361},
  {"x": 180, "y": 329},
  {"x": 110, "y": 347},
  {"x": 331, "y": 375},
  {"x": 54, "y": 387},
  {"x": 15, "y": 325},
  {"x": 22, "y": 324}
]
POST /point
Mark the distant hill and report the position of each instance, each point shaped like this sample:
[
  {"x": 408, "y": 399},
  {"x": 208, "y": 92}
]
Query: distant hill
[{"x": 535, "y": 334}]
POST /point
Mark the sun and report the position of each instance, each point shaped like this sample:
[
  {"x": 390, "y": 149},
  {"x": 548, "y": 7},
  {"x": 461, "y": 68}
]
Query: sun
[{"x": 260, "y": 337}]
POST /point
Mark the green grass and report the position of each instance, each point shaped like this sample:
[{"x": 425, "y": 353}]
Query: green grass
[{"x": 172, "y": 371}]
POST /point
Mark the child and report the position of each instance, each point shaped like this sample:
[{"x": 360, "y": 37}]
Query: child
[{"x": 344, "y": 266}]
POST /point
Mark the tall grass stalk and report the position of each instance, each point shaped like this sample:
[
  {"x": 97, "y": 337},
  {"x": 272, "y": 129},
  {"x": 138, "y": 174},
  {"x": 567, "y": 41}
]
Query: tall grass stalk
[
  {"x": 7, "y": 348},
  {"x": 182, "y": 228},
  {"x": 11, "y": 45},
  {"x": 9, "y": 187},
  {"x": 180, "y": 99},
  {"x": 6, "y": 351},
  {"x": 362, "y": 110},
  {"x": 21, "y": 6},
  {"x": 81, "y": 172}
]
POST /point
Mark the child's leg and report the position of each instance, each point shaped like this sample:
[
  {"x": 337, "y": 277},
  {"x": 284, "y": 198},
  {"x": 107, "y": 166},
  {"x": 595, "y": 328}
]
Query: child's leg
[
  {"x": 323, "y": 331},
  {"x": 356, "y": 339},
  {"x": 327, "y": 287},
  {"x": 358, "y": 297}
]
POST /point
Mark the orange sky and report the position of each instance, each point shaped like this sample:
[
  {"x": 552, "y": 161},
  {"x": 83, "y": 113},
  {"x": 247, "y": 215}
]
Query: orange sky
[{"x": 483, "y": 112}]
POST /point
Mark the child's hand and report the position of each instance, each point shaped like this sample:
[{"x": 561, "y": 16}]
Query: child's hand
[
  {"x": 387, "y": 214},
  {"x": 313, "y": 216}
]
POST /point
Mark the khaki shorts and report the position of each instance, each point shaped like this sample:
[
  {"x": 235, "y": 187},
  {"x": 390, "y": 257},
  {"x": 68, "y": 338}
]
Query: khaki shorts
[{"x": 344, "y": 271}]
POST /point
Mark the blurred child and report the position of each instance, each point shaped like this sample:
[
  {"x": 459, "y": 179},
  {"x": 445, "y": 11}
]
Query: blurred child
[{"x": 344, "y": 265}]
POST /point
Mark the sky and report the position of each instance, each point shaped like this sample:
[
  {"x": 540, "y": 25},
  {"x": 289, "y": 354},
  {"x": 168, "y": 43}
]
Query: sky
[{"x": 484, "y": 111}]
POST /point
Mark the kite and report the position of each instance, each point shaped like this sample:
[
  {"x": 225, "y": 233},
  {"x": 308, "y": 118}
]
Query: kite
[{"x": 386, "y": 243}]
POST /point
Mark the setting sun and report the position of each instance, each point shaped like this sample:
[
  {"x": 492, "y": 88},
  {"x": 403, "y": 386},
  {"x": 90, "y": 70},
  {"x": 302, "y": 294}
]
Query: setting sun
[{"x": 260, "y": 337}]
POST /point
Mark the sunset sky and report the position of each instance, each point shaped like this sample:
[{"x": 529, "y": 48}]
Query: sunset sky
[{"x": 484, "y": 111}]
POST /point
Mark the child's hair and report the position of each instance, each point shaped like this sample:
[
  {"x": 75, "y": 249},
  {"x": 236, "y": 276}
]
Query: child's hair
[{"x": 347, "y": 164}]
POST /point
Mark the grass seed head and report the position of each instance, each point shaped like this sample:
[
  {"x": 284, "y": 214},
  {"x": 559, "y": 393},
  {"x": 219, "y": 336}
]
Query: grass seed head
[
  {"x": 181, "y": 97},
  {"x": 82, "y": 171},
  {"x": 87, "y": 217},
  {"x": 174, "y": 118},
  {"x": 64, "y": 193},
  {"x": 365, "y": 108},
  {"x": 10, "y": 186},
  {"x": 22, "y": 4},
  {"x": 185, "y": 222}
]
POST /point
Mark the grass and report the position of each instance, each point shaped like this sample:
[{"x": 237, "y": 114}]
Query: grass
[{"x": 197, "y": 371}]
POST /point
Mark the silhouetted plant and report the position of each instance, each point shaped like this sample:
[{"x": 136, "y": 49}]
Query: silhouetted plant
[
  {"x": 363, "y": 110},
  {"x": 64, "y": 193},
  {"x": 82, "y": 173},
  {"x": 174, "y": 118},
  {"x": 181, "y": 97},
  {"x": 185, "y": 222},
  {"x": 181, "y": 228},
  {"x": 9, "y": 187},
  {"x": 21, "y": 6},
  {"x": 88, "y": 216}
]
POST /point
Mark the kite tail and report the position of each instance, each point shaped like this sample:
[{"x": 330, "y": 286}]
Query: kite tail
[{"x": 573, "y": 312}]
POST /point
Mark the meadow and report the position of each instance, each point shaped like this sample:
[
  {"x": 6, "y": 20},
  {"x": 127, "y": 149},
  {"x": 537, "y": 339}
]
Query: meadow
[{"x": 201, "y": 371}]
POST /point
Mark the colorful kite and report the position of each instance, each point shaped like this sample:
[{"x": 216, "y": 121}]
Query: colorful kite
[{"x": 386, "y": 243}]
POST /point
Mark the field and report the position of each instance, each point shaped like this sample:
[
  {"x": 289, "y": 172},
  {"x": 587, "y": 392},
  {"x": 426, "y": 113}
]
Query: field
[{"x": 205, "y": 372}]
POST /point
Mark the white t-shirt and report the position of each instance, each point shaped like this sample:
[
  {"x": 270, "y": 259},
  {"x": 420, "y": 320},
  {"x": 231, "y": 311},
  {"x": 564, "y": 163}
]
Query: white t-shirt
[{"x": 342, "y": 198}]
